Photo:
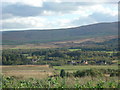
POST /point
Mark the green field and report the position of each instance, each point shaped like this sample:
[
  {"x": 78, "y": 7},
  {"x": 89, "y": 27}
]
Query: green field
[
  {"x": 72, "y": 68},
  {"x": 110, "y": 52},
  {"x": 74, "y": 49}
]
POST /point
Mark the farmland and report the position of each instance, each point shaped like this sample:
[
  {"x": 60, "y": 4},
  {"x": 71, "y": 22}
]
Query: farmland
[
  {"x": 37, "y": 76},
  {"x": 71, "y": 68},
  {"x": 43, "y": 71},
  {"x": 89, "y": 65},
  {"x": 27, "y": 71},
  {"x": 74, "y": 49}
]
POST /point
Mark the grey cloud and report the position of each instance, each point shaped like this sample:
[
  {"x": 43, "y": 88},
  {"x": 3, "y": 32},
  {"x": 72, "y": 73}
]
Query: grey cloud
[
  {"x": 14, "y": 26},
  {"x": 60, "y": 7},
  {"x": 26, "y": 10},
  {"x": 6, "y": 16},
  {"x": 21, "y": 10}
]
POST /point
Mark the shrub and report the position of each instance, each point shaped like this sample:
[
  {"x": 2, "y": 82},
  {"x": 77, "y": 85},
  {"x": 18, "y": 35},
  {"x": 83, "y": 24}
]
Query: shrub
[
  {"x": 88, "y": 72},
  {"x": 62, "y": 73}
]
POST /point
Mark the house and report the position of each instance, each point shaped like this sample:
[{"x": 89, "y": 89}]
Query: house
[
  {"x": 84, "y": 62},
  {"x": 34, "y": 60},
  {"x": 101, "y": 62},
  {"x": 68, "y": 62},
  {"x": 74, "y": 62},
  {"x": 71, "y": 62}
]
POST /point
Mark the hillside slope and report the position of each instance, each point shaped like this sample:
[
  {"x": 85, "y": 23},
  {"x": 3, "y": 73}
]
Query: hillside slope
[{"x": 43, "y": 36}]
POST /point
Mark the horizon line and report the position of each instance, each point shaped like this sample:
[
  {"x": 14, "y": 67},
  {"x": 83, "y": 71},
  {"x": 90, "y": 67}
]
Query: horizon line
[{"x": 46, "y": 29}]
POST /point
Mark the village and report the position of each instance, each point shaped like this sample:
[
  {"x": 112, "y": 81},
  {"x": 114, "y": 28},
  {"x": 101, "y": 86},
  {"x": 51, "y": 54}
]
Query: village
[{"x": 82, "y": 62}]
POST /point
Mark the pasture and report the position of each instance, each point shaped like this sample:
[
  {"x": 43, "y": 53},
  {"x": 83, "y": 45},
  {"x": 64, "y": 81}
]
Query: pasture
[
  {"x": 27, "y": 71},
  {"x": 72, "y": 68},
  {"x": 74, "y": 49},
  {"x": 43, "y": 71}
]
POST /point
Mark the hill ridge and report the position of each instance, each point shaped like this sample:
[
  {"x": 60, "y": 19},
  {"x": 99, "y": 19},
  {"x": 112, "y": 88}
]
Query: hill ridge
[{"x": 43, "y": 36}]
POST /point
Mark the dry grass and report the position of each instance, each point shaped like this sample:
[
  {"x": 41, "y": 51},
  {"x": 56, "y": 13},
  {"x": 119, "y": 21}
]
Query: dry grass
[
  {"x": 28, "y": 71},
  {"x": 30, "y": 46},
  {"x": 97, "y": 39},
  {"x": 25, "y": 74},
  {"x": 43, "y": 71}
]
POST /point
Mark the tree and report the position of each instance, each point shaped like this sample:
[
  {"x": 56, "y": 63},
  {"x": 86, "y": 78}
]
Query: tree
[{"x": 62, "y": 73}]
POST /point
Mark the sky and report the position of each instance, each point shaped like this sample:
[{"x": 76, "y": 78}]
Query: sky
[{"x": 55, "y": 14}]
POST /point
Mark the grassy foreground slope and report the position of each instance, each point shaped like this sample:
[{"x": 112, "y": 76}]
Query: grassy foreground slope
[{"x": 41, "y": 79}]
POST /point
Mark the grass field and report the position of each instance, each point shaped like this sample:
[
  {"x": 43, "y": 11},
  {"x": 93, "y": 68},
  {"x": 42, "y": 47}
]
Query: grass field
[
  {"x": 72, "y": 68},
  {"x": 43, "y": 71},
  {"x": 110, "y": 52},
  {"x": 27, "y": 71},
  {"x": 74, "y": 49}
]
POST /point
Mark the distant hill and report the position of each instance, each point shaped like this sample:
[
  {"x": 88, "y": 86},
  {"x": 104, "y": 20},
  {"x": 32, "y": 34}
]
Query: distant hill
[{"x": 45, "y": 36}]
